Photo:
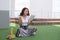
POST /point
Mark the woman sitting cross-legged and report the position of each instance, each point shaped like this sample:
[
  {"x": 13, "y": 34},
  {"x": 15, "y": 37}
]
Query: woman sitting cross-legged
[{"x": 24, "y": 22}]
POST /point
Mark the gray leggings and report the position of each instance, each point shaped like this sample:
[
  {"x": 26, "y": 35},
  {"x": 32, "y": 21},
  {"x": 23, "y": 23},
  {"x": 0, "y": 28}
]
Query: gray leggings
[
  {"x": 27, "y": 32},
  {"x": 31, "y": 31}
]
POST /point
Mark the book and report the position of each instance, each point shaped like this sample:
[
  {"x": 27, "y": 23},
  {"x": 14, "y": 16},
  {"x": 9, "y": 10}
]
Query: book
[{"x": 31, "y": 17}]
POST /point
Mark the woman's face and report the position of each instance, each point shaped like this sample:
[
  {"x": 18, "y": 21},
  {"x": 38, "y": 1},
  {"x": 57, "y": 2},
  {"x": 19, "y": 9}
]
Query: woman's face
[{"x": 26, "y": 12}]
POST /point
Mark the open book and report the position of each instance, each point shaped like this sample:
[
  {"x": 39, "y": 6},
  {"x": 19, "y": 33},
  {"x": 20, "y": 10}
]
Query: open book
[{"x": 31, "y": 17}]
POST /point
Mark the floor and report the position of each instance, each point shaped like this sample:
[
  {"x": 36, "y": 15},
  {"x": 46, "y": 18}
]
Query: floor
[{"x": 44, "y": 32}]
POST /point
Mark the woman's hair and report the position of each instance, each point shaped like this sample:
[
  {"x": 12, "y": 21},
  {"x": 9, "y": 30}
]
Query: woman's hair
[{"x": 22, "y": 12}]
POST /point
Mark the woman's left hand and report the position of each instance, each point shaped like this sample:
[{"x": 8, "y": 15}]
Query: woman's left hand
[{"x": 29, "y": 22}]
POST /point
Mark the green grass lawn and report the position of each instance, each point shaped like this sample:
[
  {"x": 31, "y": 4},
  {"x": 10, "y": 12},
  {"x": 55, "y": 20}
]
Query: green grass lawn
[{"x": 44, "y": 32}]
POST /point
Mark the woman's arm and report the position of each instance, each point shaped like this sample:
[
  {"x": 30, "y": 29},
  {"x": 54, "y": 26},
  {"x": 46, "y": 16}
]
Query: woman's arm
[{"x": 20, "y": 21}]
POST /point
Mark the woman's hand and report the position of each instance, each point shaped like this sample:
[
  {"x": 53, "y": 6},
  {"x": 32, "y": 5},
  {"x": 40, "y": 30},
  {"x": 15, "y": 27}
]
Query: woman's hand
[{"x": 29, "y": 22}]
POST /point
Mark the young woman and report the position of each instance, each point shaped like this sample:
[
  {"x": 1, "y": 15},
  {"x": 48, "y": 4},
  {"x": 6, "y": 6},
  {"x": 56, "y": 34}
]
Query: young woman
[{"x": 24, "y": 23}]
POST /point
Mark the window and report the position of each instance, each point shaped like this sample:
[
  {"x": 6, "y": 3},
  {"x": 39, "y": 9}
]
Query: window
[
  {"x": 56, "y": 9},
  {"x": 56, "y": 5}
]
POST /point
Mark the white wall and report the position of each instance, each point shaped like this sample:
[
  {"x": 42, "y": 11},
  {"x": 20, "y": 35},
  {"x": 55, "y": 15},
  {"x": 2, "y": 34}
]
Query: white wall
[{"x": 41, "y": 8}]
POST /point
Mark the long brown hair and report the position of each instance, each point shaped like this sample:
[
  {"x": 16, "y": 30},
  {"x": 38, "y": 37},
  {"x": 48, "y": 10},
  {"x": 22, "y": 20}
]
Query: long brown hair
[{"x": 22, "y": 12}]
